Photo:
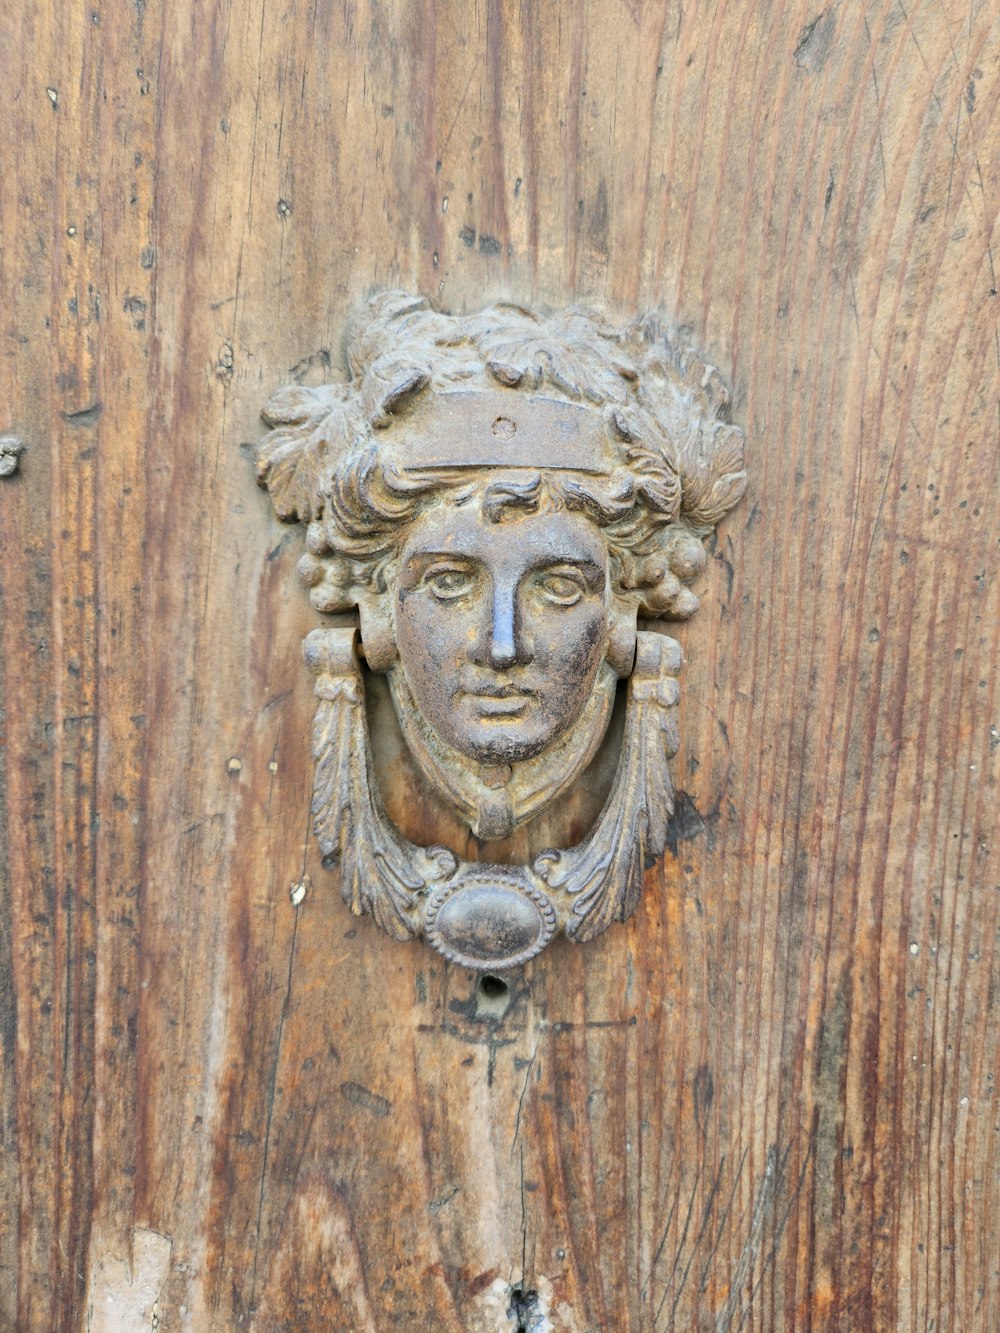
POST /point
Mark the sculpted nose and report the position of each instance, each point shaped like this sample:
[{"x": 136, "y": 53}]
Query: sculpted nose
[
  {"x": 503, "y": 650},
  {"x": 505, "y": 644}
]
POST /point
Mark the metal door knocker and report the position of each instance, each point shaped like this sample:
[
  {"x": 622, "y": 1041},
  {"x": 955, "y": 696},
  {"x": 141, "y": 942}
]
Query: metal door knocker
[{"x": 500, "y": 495}]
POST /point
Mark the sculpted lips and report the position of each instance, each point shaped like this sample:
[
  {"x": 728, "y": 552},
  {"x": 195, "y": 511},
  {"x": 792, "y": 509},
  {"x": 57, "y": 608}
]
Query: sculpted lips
[{"x": 498, "y": 699}]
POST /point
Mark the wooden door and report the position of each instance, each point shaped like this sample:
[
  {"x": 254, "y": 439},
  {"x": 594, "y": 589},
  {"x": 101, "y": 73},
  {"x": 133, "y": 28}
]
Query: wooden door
[{"x": 767, "y": 1102}]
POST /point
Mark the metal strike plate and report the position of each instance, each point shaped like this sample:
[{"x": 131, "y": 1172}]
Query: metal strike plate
[{"x": 501, "y": 496}]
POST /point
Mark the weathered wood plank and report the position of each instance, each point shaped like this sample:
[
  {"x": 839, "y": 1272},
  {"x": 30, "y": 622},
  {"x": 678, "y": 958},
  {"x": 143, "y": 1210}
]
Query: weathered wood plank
[{"x": 769, "y": 1100}]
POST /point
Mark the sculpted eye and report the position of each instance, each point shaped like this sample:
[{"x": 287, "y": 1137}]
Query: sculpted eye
[
  {"x": 563, "y": 589},
  {"x": 448, "y": 582}
]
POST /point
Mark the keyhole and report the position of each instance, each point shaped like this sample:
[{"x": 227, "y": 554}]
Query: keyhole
[
  {"x": 492, "y": 996},
  {"x": 524, "y": 1307}
]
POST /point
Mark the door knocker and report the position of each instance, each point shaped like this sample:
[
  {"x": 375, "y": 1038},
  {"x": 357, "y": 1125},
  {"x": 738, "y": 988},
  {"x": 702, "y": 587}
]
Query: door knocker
[{"x": 500, "y": 495}]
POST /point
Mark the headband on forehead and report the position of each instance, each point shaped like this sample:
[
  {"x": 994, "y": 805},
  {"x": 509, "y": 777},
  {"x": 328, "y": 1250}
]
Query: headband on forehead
[
  {"x": 502, "y": 389},
  {"x": 477, "y": 429}
]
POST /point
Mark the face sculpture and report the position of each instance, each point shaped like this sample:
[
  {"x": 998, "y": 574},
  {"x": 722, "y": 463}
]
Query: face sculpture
[
  {"x": 498, "y": 497},
  {"x": 501, "y": 625}
]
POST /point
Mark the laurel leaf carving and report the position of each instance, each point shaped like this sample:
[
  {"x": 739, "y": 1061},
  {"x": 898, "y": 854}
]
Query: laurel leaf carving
[
  {"x": 712, "y": 474},
  {"x": 569, "y": 353},
  {"x": 382, "y": 874},
  {"x": 305, "y": 424},
  {"x": 604, "y": 872}
]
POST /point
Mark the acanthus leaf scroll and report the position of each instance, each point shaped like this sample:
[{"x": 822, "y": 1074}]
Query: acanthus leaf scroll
[{"x": 500, "y": 496}]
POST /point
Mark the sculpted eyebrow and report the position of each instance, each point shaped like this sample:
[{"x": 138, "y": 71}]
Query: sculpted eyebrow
[
  {"x": 414, "y": 566},
  {"x": 591, "y": 571},
  {"x": 421, "y": 558}
]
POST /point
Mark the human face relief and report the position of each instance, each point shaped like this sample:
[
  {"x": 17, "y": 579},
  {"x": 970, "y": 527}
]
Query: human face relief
[{"x": 501, "y": 627}]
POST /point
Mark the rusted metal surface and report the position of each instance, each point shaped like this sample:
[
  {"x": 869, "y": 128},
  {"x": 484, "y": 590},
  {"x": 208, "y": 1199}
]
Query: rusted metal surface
[{"x": 501, "y": 496}]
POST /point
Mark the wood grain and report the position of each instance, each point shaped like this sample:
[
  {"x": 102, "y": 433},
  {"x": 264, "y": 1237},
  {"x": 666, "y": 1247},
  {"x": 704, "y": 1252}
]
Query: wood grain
[{"x": 769, "y": 1101}]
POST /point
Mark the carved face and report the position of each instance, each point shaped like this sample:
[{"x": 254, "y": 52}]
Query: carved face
[
  {"x": 500, "y": 495},
  {"x": 501, "y": 626}
]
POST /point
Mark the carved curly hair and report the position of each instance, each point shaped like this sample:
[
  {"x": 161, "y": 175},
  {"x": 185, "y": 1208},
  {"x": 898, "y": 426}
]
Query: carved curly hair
[{"x": 680, "y": 462}]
